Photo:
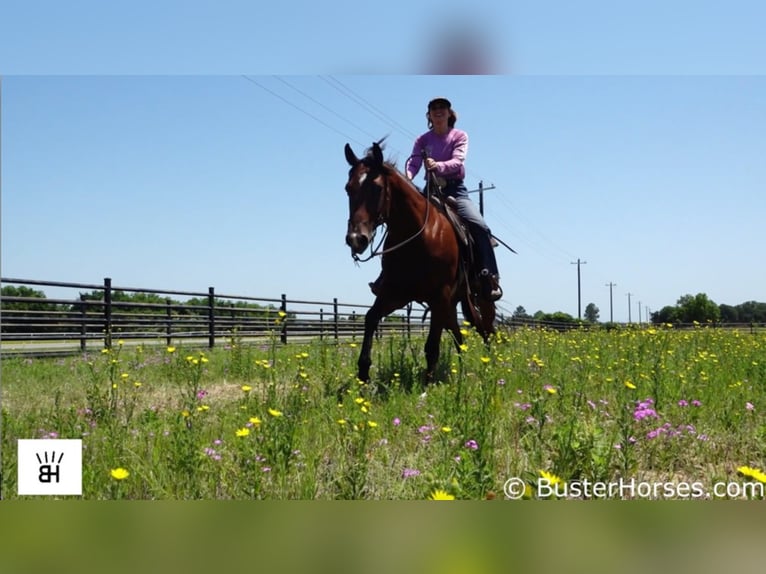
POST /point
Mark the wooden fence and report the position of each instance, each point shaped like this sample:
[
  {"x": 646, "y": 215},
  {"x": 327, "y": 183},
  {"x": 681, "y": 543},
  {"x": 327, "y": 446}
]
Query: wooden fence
[{"x": 85, "y": 321}]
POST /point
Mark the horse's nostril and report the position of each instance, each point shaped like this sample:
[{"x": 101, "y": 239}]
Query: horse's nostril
[{"x": 357, "y": 242}]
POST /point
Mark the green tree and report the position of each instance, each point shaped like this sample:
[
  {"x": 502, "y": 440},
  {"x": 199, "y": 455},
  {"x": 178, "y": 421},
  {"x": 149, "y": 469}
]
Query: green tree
[
  {"x": 591, "y": 313},
  {"x": 520, "y": 313},
  {"x": 697, "y": 308}
]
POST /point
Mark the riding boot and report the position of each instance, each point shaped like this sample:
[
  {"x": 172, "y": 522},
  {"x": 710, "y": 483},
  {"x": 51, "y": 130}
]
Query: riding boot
[
  {"x": 375, "y": 286},
  {"x": 491, "y": 285}
]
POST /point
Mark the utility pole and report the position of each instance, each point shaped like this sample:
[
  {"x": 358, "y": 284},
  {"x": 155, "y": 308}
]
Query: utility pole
[
  {"x": 629, "y": 294},
  {"x": 579, "y": 297},
  {"x": 639, "y": 312},
  {"x": 611, "y": 307}
]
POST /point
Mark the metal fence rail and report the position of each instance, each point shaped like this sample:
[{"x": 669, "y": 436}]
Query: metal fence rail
[{"x": 83, "y": 320}]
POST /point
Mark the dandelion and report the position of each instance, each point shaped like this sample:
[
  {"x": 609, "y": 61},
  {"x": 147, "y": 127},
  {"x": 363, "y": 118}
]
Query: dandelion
[
  {"x": 275, "y": 413},
  {"x": 463, "y": 347},
  {"x": 446, "y": 429},
  {"x": 372, "y": 424},
  {"x": 551, "y": 389},
  {"x": 171, "y": 349},
  {"x": 485, "y": 360},
  {"x": 630, "y": 385},
  {"x": 341, "y": 421},
  {"x": 246, "y": 388},
  {"x": 243, "y": 432},
  {"x": 119, "y": 473},
  {"x": 255, "y": 421},
  {"x": 439, "y": 494}
]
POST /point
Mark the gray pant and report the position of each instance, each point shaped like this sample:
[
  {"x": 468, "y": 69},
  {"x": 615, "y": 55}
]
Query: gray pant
[{"x": 478, "y": 228}]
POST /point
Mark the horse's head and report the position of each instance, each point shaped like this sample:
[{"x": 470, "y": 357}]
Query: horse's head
[{"x": 366, "y": 195}]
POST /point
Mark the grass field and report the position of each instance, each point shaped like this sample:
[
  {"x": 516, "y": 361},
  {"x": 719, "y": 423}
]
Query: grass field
[{"x": 557, "y": 410}]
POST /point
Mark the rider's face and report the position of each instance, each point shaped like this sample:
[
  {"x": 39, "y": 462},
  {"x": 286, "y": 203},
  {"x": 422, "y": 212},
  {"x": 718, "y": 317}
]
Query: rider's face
[{"x": 438, "y": 113}]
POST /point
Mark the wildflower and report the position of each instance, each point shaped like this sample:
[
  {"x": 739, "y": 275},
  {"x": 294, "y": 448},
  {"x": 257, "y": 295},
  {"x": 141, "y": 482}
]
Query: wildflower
[
  {"x": 472, "y": 444},
  {"x": 185, "y": 413},
  {"x": 439, "y": 494},
  {"x": 124, "y": 376},
  {"x": 282, "y": 314},
  {"x": 696, "y": 403},
  {"x": 171, "y": 349},
  {"x": 243, "y": 432},
  {"x": 551, "y": 389},
  {"x": 755, "y": 473},
  {"x": 119, "y": 473},
  {"x": 372, "y": 424},
  {"x": 410, "y": 472},
  {"x": 341, "y": 421},
  {"x": 202, "y": 408},
  {"x": 396, "y": 422},
  {"x": 683, "y": 403},
  {"x": 550, "y": 477},
  {"x": 644, "y": 410},
  {"x": 246, "y": 388},
  {"x": 275, "y": 413},
  {"x": 446, "y": 429},
  {"x": 255, "y": 421},
  {"x": 485, "y": 360},
  {"x": 749, "y": 406},
  {"x": 630, "y": 385},
  {"x": 463, "y": 347}
]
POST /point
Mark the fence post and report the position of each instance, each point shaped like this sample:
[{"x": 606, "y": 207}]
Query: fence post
[
  {"x": 321, "y": 324},
  {"x": 283, "y": 308},
  {"x": 169, "y": 323},
  {"x": 335, "y": 317},
  {"x": 211, "y": 317},
  {"x": 409, "y": 313},
  {"x": 107, "y": 312},
  {"x": 83, "y": 325}
]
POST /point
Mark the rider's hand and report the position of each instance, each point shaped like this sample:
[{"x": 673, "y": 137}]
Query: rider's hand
[{"x": 430, "y": 163}]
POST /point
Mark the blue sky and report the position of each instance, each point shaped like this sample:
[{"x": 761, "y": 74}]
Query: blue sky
[{"x": 170, "y": 169}]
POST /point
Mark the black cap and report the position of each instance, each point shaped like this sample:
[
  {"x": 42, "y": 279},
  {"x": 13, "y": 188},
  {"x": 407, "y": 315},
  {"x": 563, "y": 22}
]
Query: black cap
[{"x": 437, "y": 101}]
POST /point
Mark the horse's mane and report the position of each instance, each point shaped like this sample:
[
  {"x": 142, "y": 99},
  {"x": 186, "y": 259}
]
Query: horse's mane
[{"x": 390, "y": 164}]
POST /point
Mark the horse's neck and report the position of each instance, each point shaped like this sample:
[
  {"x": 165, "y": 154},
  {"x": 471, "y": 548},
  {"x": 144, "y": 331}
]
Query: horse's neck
[{"x": 408, "y": 205}]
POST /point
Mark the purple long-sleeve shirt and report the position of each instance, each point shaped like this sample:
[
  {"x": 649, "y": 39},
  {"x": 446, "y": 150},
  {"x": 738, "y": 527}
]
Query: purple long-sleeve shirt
[{"x": 448, "y": 150}]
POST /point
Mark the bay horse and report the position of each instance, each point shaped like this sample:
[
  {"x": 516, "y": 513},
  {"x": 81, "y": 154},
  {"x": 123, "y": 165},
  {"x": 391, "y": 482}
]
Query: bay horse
[{"x": 421, "y": 258}]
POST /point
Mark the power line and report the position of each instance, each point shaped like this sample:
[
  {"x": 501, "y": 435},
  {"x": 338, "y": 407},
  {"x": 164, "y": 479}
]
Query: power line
[
  {"x": 323, "y": 106},
  {"x": 309, "y": 114}
]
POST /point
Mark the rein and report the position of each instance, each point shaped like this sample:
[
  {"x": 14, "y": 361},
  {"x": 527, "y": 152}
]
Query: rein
[{"x": 375, "y": 252}]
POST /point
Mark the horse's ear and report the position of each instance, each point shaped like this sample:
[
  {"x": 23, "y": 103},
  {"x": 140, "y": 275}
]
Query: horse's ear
[
  {"x": 351, "y": 156},
  {"x": 377, "y": 153}
]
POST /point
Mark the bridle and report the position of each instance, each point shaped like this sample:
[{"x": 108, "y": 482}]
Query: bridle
[{"x": 384, "y": 207}]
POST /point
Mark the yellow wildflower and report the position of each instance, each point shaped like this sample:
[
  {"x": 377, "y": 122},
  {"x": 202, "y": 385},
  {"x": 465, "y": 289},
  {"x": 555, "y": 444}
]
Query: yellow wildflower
[
  {"x": 275, "y": 413},
  {"x": 439, "y": 494},
  {"x": 119, "y": 473}
]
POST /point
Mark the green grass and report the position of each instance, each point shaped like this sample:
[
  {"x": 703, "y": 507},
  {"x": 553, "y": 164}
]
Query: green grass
[{"x": 266, "y": 422}]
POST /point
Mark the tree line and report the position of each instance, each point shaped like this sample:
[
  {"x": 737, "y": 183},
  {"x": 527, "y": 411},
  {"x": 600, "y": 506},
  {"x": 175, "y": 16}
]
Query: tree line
[{"x": 688, "y": 309}]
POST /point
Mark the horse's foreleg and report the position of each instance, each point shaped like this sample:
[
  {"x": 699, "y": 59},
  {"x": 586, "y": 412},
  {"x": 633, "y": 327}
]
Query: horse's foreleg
[{"x": 371, "y": 320}]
